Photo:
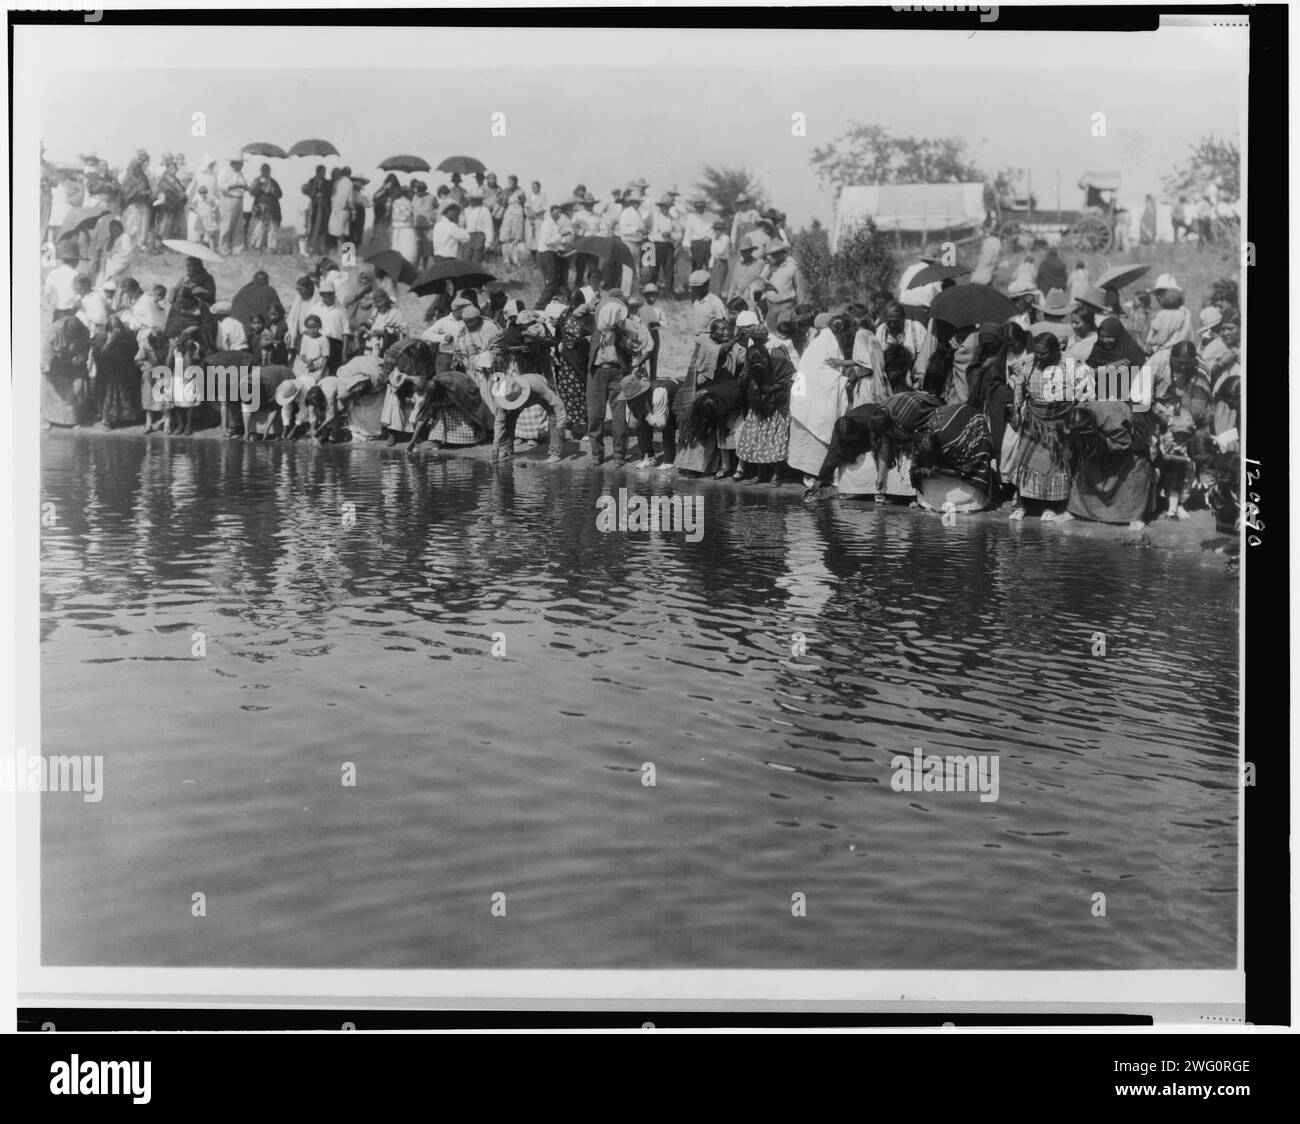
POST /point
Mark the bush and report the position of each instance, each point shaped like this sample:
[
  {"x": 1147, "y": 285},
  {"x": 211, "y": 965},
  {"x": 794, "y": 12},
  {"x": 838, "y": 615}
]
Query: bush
[{"x": 861, "y": 269}]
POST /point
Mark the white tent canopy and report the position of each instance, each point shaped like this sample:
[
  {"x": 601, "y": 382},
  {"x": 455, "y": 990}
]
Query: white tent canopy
[{"x": 910, "y": 208}]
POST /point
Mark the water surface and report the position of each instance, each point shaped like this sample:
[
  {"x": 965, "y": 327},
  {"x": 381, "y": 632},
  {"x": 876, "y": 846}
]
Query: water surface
[{"x": 521, "y": 774}]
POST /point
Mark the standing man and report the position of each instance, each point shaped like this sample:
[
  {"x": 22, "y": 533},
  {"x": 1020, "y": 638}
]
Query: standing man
[
  {"x": 478, "y": 225},
  {"x": 782, "y": 284},
  {"x": 698, "y": 235},
  {"x": 448, "y": 234},
  {"x": 746, "y": 277},
  {"x": 661, "y": 235},
  {"x": 231, "y": 186},
  {"x": 586, "y": 224},
  {"x": 554, "y": 244},
  {"x": 340, "y": 210},
  {"x": 631, "y": 233},
  {"x": 334, "y": 325}
]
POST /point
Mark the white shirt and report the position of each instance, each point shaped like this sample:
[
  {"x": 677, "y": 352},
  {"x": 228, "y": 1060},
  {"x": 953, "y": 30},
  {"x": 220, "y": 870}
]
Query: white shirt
[
  {"x": 479, "y": 220},
  {"x": 231, "y": 183},
  {"x": 630, "y": 227},
  {"x": 661, "y": 227},
  {"x": 448, "y": 237},
  {"x": 550, "y": 237},
  {"x": 698, "y": 228},
  {"x": 58, "y": 287},
  {"x": 231, "y": 335},
  {"x": 333, "y": 320}
]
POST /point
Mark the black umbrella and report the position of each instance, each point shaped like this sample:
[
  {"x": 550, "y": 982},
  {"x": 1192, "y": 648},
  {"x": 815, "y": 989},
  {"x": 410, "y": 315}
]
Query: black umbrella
[
  {"x": 396, "y": 266},
  {"x": 465, "y": 165},
  {"x": 81, "y": 218},
  {"x": 405, "y": 164},
  {"x": 464, "y": 275},
  {"x": 971, "y": 304},
  {"x": 313, "y": 147},
  {"x": 605, "y": 249},
  {"x": 932, "y": 273},
  {"x": 263, "y": 148}
]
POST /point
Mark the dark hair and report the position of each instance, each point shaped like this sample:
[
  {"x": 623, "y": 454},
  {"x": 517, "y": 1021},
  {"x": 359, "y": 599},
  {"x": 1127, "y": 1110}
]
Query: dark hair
[
  {"x": 938, "y": 369},
  {"x": 315, "y": 397},
  {"x": 1014, "y": 336},
  {"x": 898, "y": 360},
  {"x": 737, "y": 304},
  {"x": 927, "y": 452},
  {"x": 884, "y": 441}
]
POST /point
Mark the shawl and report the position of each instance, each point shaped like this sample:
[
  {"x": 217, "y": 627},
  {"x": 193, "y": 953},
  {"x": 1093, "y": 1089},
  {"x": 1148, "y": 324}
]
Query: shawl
[
  {"x": 967, "y": 446},
  {"x": 869, "y": 354},
  {"x": 1124, "y": 350},
  {"x": 767, "y": 384},
  {"x": 66, "y": 341},
  {"x": 199, "y": 321},
  {"x": 911, "y": 410},
  {"x": 825, "y": 390},
  {"x": 254, "y": 299}
]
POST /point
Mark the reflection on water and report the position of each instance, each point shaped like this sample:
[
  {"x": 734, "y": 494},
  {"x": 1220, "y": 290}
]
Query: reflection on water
[{"x": 770, "y": 672}]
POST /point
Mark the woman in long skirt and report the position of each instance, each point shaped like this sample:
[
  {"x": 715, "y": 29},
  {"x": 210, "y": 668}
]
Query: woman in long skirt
[
  {"x": 569, "y": 366},
  {"x": 402, "y": 218},
  {"x": 115, "y": 376},
  {"x": 767, "y": 377},
  {"x": 65, "y": 389}
]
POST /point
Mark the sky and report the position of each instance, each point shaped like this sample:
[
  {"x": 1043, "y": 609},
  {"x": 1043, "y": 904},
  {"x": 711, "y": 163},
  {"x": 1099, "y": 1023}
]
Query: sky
[{"x": 603, "y": 107}]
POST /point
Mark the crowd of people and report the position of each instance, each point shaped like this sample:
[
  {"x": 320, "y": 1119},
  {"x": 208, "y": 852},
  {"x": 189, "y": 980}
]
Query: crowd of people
[{"x": 874, "y": 398}]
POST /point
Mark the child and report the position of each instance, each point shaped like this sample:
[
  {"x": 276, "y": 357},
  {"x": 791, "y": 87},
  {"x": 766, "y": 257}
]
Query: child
[
  {"x": 209, "y": 217},
  {"x": 313, "y": 353},
  {"x": 652, "y": 316},
  {"x": 277, "y": 331},
  {"x": 1177, "y": 470},
  {"x": 155, "y": 393}
]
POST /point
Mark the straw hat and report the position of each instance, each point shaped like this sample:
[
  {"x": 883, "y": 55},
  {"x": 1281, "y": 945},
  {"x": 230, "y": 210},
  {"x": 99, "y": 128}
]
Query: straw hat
[
  {"x": 698, "y": 277},
  {"x": 1095, "y": 298},
  {"x": 633, "y": 386},
  {"x": 1056, "y": 303},
  {"x": 287, "y": 392},
  {"x": 511, "y": 393},
  {"x": 1211, "y": 318},
  {"x": 1166, "y": 281},
  {"x": 1022, "y": 288}
]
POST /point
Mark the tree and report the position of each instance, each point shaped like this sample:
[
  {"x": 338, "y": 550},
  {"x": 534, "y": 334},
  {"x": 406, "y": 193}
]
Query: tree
[
  {"x": 1211, "y": 161},
  {"x": 723, "y": 186},
  {"x": 862, "y": 267},
  {"x": 870, "y": 154}
]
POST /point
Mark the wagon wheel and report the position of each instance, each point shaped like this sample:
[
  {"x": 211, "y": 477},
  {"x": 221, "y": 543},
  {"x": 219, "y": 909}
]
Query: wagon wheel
[{"x": 1091, "y": 234}]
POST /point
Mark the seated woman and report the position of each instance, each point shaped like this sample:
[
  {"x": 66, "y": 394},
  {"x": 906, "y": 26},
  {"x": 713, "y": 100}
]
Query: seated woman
[
  {"x": 1114, "y": 478},
  {"x": 952, "y": 461}
]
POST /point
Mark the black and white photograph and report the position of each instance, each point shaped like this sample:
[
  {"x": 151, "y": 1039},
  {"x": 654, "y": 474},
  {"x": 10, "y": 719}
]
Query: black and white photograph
[{"x": 734, "y": 513}]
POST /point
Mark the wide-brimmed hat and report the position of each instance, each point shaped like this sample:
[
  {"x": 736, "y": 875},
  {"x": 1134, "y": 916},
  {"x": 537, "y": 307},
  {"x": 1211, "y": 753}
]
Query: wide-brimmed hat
[
  {"x": 1022, "y": 288},
  {"x": 776, "y": 248},
  {"x": 287, "y": 392},
  {"x": 665, "y": 200},
  {"x": 633, "y": 386},
  {"x": 747, "y": 319},
  {"x": 459, "y": 303},
  {"x": 221, "y": 308},
  {"x": 649, "y": 287},
  {"x": 510, "y": 392},
  {"x": 719, "y": 224},
  {"x": 641, "y": 182},
  {"x": 1095, "y": 298},
  {"x": 698, "y": 277},
  {"x": 1211, "y": 318},
  {"x": 1166, "y": 281},
  {"x": 1056, "y": 303}
]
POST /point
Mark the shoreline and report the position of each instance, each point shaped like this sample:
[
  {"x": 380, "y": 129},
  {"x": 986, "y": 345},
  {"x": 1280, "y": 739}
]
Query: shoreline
[{"x": 1195, "y": 536}]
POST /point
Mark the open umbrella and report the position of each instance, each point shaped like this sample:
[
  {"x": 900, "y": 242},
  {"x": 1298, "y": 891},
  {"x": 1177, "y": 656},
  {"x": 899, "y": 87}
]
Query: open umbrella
[
  {"x": 396, "y": 266},
  {"x": 262, "y": 148},
  {"x": 405, "y": 164},
  {"x": 932, "y": 273},
  {"x": 465, "y": 165},
  {"x": 971, "y": 304},
  {"x": 605, "y": 249},
  {"x": 314, "y": 147},
  {"x": 81, "y": 218},
  {"x": 192, "y": 249},
  {"x": 464, "y": 275},
  {"x": 1121, "y": 275}
]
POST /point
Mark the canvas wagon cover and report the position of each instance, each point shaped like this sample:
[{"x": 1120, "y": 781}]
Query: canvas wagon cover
[{"x": 910, "y": 207}]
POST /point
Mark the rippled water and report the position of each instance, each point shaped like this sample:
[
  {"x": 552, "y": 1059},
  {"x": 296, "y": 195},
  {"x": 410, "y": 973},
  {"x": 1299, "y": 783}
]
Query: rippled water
[{"x": 372, "y": 644}]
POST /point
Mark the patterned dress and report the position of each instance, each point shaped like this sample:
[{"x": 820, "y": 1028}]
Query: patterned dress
[{"x": 568, "y": 379}]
